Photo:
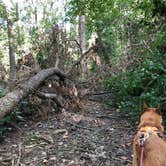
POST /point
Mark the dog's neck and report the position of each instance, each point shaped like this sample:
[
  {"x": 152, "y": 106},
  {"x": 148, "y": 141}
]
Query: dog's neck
[{"x": 155, "y": 127}]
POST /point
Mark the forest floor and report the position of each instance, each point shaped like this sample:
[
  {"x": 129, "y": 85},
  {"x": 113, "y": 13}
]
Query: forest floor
[{"x": 94, "y": 136}]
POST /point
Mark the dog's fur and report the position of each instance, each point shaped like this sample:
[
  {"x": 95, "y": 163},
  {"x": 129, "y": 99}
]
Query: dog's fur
[{"x": 154, "y": 147}]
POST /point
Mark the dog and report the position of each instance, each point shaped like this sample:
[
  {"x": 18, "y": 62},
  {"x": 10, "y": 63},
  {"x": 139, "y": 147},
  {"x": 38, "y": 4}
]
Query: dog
[{"x": 149, "y": 146}]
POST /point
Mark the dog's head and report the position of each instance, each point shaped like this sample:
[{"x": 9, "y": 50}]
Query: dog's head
[{"x": 151, "y": 117}]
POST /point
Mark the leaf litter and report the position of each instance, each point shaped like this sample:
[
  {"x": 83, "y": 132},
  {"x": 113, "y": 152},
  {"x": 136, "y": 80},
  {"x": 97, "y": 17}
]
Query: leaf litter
[{"x": 93, "y": 136}]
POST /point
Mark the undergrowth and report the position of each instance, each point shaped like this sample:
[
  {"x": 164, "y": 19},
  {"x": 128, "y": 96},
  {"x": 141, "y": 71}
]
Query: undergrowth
[{"x": 144, "y": 83}]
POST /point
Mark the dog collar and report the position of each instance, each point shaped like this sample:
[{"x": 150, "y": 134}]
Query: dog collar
[
  {"x": 143, "y": 138},
  {"x": 146, "y": 135}
]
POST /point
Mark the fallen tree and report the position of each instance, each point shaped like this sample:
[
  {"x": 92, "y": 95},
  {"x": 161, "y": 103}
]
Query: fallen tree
[{"x": 8, "y": 102}]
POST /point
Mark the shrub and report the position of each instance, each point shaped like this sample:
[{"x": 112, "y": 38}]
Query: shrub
[{"x": 143, "y": 83}]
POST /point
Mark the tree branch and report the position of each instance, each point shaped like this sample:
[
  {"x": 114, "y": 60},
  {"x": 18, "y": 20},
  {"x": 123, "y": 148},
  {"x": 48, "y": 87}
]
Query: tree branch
[
  {"x": 80, "y": 59},
  {"x": 51, "y": 96}
]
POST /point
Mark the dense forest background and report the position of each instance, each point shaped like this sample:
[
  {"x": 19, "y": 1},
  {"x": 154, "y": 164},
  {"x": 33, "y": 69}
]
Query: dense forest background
[
  {"x": 73, "y": 77},
  {"x": 115, "y": 46}
]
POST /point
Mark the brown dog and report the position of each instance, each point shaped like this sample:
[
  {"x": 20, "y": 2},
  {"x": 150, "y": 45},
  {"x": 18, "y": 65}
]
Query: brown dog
[{"x": 149, "y": 147}]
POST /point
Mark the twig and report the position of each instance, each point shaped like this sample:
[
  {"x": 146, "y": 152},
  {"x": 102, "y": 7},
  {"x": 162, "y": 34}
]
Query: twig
[
  {"x": 19, "y": 154},
  {"x": 47, "y": 95},
  {"x": 147, "y": 47},
  {"x": 97, "y": 93},
  {"x": 13, "y": 162},
  {"x": 115, "y": 158}
]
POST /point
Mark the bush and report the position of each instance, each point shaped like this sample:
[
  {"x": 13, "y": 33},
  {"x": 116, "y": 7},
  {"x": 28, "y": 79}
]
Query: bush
[
  {"x": 143, "y": 83},
  {"x": 3, "y": 88}
]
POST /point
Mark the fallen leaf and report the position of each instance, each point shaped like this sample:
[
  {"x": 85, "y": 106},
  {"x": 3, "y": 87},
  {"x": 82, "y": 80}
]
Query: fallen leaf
[
  {"x": 45, "y": 161},
  {"x": 123, "y": 157},
  {"x": 59, "y": 131}
]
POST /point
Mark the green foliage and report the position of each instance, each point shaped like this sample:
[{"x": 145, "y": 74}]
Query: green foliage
[
  {"x": 40, "y": 57},
  {"x": 127, "y": 30},
  {"x": 93, "y": 67},
  {"x": 19, "y": 114},
  {"x": 143, "y": 83},
  {"x": 132, "y": 34},
  {"x": 3, "y": 88},
  {"x": 3, "y": 92},
  {"x": 4, "y": 128}
]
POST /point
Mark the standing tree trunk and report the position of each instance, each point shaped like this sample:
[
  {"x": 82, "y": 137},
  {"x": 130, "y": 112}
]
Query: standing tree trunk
[
  {"x": 12, "y": 75},
  {"x": 82, "y": 42},
  {"x": 18, "y": 26},
  {"x": 36, "y": 18},
  {"x": 82, "y": 37},
  {"x": 18, "y": 30}
]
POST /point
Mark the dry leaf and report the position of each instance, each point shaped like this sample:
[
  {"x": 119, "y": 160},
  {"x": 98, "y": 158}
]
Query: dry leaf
[{"x": 45, "y": 161}]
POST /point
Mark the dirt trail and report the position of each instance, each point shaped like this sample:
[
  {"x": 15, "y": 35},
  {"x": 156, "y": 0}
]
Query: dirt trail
[{"x": 93, "y": 137}]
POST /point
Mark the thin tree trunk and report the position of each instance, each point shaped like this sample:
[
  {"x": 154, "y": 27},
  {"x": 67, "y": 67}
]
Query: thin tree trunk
[
  {"x": 36, "y": 18},
  {"x": 82, "y": 37},
  {"x": 18, "y": 26},
  {"x": 82, "y": 42},
  {"x": 12, "y": 75}
]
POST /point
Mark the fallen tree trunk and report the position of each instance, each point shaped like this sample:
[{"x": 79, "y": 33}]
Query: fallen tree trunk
[{"x": 8, "y": 102}]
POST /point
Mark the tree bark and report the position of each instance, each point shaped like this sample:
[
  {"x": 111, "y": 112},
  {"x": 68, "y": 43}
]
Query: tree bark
[
  {"x": 12, "y": 76},
  {"x": 82, "y": 37},
  {"x": 18, "y": 26},
  {"x": 82, "y": 42},
  {"x": 8, "y": 102},
  {"x": 36, "y": 18}
]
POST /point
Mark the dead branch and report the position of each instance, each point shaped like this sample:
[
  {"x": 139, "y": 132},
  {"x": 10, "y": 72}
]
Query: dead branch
[
  {"x": 96, "y": 93},
  {"x": 53, "y": 96},
  {"x": 80, "y": 59},
  {"x": 19, "y": 155},
  {"x": 78, "y": 45}
]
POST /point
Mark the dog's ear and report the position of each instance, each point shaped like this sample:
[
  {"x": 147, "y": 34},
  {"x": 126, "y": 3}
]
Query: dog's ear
[{"x": 145, "y": 107}]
